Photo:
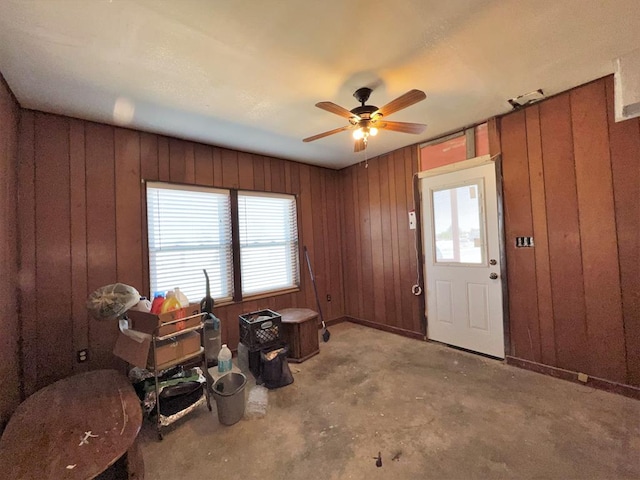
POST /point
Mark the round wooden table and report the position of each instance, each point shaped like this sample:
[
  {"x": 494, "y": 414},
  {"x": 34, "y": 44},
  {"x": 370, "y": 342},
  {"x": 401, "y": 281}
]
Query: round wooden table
[{"x": 73, "y": 429}]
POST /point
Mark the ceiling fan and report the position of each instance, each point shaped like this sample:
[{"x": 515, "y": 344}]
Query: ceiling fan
[{"x": 366, "y": 120}]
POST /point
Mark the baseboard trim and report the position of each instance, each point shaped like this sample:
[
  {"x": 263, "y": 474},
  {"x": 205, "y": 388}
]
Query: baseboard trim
[
  {"x": 595, "y": 382},
  {"x": 334, "y": 321},
  {"x": 386, "y": 328}
]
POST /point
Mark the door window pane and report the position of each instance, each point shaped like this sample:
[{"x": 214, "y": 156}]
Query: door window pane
[{"x": 458, "y": 225}]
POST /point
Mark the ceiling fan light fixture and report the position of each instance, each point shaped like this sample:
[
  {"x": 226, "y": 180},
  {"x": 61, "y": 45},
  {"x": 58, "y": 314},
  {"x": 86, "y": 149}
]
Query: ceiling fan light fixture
[{"x": 365, "y": 120}]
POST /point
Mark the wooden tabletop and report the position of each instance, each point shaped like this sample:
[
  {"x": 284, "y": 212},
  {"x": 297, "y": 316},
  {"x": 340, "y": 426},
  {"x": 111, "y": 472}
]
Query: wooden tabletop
[
  {"x": 296, "y": 315},
  {"x": 72, "y": 429}
]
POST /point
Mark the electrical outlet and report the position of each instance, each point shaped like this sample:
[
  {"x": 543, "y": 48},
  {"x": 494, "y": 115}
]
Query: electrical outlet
[
  {"x": 82, "y": 355},
  {"x": 328, "y": 297}
]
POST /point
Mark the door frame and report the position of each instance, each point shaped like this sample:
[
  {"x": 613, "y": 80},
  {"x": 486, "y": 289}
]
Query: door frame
[{"x": 453, "y": 167}]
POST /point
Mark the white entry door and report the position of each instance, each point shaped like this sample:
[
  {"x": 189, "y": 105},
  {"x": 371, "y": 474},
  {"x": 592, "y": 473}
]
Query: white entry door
[{"x": 462, "y": 261}]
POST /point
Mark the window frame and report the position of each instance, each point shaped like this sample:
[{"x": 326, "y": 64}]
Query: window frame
[
  {"x": 236, "y": 271},
  {"x": 296, "y": 272}
]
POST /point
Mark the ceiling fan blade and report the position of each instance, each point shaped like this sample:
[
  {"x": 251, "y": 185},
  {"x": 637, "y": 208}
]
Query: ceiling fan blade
[
  {"x": 337, "y": 109},
  {"x": 403, "y": 127},
  {"x": 326, "y": 134},
  {"x": 360, "y": 145},
  {"x": 403, "y": 101}
]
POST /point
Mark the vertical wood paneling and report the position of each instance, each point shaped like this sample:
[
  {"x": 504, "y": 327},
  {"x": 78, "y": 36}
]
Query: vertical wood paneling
[
  {"x": 305, "y": 204},
  {"x": 101, "y": 234},
  {"x": 230, "y": 176},
  {"x": 217, "y": 166},
  {"x": 267, "y": 174},
  {"x": 78, "y": 214},
  {"x": 190, "y": 164},
  {"x": 598, "y": 232},
  {"x": 541, "y": 237},
  {"x": 318, "y": 256},
  {"x": 585, "y": 202},
  {"x": 258, "y": 172},
  {"x": 277, "y": 175},
  {"x": 380, "y": 264},
  {"x": 407, "y": 276},
  {"x": 624, "y": 144},
  {"x": 128, "y": 208},
  {"x": 395, "y": 236},
  {"x": 324, "y": 232},
  {"x": 9, "y": 253},
  {"x": 523, "y": 304},
  {"x": 565, "y": 256},
  {"x": 177, "y": 161},
  {"x": 355, "y": 288},
  {"x": 245, "y": 170},
  {"x": 349, "y": 243},
  {"x": 377, "y": 258},
  {"x": 335, "y": 199},
  {"x": 27, "y": 252},
  {"x": 164, "y": 168},
  {"x": 417, "y": 304},
  {"x": 203, "y": 165},
  {"x": 53, "y": 248},
  {"x": 148, "y": 172},
  {"x": 85, "y": 214},
  {"x": 366, "y": 266},
  {"x": 287, "y": 177}
]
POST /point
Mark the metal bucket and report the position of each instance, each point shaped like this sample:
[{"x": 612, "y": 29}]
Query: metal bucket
[{"x": 228, "y": 392}]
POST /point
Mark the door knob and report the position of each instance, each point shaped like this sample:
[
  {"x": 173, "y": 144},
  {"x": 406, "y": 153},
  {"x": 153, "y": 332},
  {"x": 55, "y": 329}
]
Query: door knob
[
  {"x": 493, "y": 261},
  {"x": 493, "y": 276}
]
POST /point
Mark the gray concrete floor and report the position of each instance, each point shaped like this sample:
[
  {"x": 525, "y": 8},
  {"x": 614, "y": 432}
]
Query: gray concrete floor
[{"x": 443, "y": 414}]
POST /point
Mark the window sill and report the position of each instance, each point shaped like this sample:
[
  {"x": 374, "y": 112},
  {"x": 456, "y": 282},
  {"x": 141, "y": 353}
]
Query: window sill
[
  {"x": 273, "y": 293},
  {"x": 257, "y": 296}
]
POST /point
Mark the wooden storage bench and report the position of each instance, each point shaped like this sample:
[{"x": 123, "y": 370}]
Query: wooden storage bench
[{"x": 300, "y": 331}]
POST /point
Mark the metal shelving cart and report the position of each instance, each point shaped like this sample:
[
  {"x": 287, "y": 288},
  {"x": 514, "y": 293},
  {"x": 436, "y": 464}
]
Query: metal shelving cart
[{"x": 161, "y": 421}]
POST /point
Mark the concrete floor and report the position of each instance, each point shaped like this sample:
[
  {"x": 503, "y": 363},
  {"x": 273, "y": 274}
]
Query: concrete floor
[{"x": 443, "y": 414}]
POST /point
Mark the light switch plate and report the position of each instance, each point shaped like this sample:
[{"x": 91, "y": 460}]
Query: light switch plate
[{"x": 412, "y": 220}]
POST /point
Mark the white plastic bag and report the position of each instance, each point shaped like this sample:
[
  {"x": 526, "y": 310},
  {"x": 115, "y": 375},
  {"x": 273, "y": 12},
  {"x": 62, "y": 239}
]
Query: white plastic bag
[
  {"x": 258, "y": 402},
  {"x": 111, "y": 301}
]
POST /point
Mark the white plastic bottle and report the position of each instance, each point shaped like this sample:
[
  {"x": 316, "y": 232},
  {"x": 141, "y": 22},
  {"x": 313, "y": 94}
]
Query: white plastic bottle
[
  {"x": 224, "y": 360},
  {"x": 182, "y": 298}
]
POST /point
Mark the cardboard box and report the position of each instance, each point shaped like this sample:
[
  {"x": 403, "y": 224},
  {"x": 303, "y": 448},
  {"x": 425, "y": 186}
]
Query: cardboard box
[
  {"x": 138, "y": 352},
  {"x": 168, "y": 351},
  {"x": 148, "y": 322}
]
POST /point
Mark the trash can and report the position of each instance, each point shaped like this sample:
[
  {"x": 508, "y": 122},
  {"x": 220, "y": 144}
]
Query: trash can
[{"x": 228, "y": 391}]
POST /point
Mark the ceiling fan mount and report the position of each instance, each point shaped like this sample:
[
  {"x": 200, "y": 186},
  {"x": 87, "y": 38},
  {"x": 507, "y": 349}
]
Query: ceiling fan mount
[
  {"x": 365, "y": 120},
  {"x": 363, "y": 111},
  {"x": 362, "y": 94}
]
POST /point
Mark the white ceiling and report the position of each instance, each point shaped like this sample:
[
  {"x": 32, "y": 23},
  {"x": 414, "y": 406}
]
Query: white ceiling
[{"x": 247, "y": 74}]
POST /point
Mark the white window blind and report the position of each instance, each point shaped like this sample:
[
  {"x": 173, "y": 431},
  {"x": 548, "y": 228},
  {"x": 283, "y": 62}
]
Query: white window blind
[
  {"x": 189, "y": 230},
  {"x": 268, "y": 242}
]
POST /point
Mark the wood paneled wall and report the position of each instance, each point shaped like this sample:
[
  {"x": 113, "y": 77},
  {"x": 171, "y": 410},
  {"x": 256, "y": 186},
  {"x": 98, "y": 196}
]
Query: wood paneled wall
[
  {"x": 83, "y": 226},
  {"x": 9, "y": 331},
  {"x": 572, "y": 181},
  {"x": 380, "y": 263}
]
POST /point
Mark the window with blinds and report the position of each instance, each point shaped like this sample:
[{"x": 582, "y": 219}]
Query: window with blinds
[
  {"x": 268, "y": 234},
  {"x": 189, "y": 229}
]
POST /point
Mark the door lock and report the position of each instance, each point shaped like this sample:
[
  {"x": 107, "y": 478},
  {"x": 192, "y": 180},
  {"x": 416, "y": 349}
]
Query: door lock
[
  {"x": 493, "y": 261},
  {"x": 493, "y": 276}
]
